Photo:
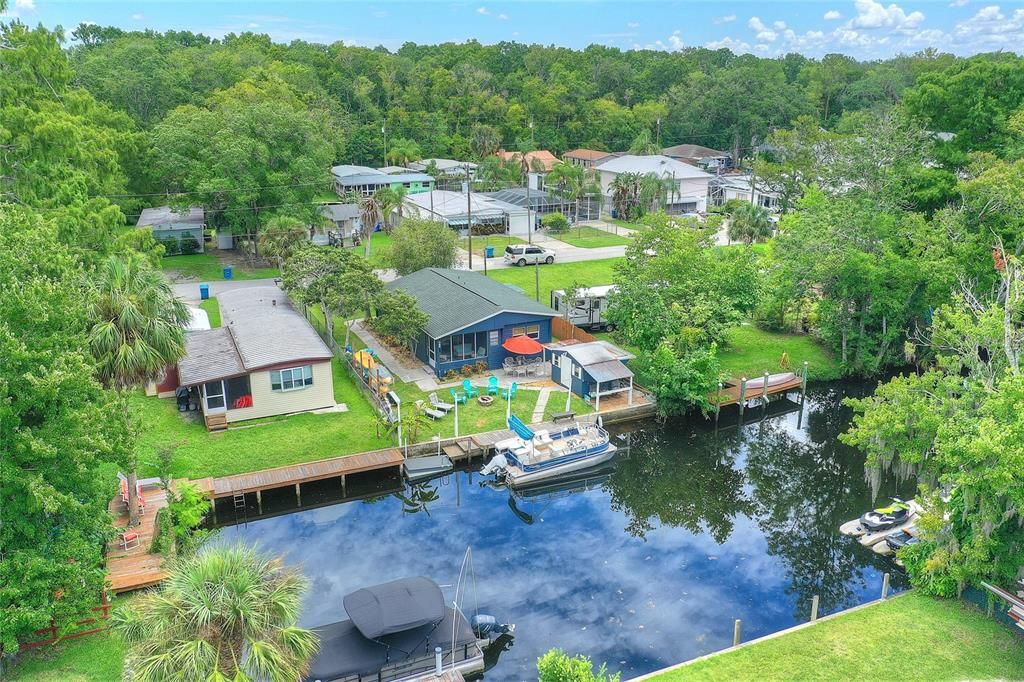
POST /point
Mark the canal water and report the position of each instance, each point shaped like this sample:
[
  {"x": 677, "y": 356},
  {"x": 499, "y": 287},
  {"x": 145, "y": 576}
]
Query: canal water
[{"x": 643, "y": 565}]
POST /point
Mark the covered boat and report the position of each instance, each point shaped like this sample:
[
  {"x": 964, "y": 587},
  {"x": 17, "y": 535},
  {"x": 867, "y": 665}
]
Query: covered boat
[
  {"x": 530, "y": 458},
  {"x": 391, "y": 634},
  {"x": 772, "y": 380}
]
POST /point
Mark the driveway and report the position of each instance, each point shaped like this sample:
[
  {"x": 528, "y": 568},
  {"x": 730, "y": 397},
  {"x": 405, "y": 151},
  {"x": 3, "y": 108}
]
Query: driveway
[
  {"x": 564, "y": 253},
  {"x": 189, "y": 291}
]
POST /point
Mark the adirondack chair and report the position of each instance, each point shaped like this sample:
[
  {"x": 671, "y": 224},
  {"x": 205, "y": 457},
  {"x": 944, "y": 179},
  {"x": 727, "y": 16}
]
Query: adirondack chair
[
  {"x": 510, "y": 392},
  {"x": 458, "y": 397},
  {"x": 492, "y": 385},
  {"x": 471, "y": 391},
  {"x": 429, "y": 411},
  {"x": 437, "y": 404}
]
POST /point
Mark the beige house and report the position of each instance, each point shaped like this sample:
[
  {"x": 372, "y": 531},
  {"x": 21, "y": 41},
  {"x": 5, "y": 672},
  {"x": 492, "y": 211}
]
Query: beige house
[{"x": 265, "y": 360}]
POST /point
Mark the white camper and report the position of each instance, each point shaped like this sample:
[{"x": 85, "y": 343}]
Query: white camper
[{"x": 589, "y": 308}]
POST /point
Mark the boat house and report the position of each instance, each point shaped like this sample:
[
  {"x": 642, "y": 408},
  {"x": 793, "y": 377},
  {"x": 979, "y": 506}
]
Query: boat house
[
  {"x": 471, "y": 317},
  {"x": 265, "y": 361},
  {"x": 592, "y": 370}
]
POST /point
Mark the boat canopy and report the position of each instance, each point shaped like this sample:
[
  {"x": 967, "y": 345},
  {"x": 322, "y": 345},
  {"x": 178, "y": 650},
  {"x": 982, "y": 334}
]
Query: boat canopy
[
  {"x": 519, "y": 428},
  {"x": 396, "y": 606}
]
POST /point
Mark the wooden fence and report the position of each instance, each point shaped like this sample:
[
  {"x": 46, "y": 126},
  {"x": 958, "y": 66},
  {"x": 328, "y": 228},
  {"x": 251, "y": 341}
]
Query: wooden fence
[
  {"x": 54, "y": 632},
  {"x": 563, "y": 329}
]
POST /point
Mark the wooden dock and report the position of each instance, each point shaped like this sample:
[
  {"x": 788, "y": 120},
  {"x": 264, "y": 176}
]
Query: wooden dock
[
  {"x": 736, "y": 393},
  {"x": 136, "y": 568},
  {"x": 297, "y": 474}
]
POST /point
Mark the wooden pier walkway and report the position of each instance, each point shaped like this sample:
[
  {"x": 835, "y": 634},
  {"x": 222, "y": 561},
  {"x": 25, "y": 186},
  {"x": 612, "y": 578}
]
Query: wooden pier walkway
[
  {"x": 136, "y": 568},
  {"x": 739, "y": 392}
]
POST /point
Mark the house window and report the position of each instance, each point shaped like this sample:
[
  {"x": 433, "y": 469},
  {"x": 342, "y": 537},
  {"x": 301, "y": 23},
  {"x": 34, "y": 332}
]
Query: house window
[
  {"x": 556, "y": 359},
  {"x": 577, "y": 371},
  {"x": 532, "y": 330},
  {"x": 238, "y": 393},
  {"x": 291, "y": 379},
  {"x": 430, "y": 349},
  {"x": 468, "y": 346}
]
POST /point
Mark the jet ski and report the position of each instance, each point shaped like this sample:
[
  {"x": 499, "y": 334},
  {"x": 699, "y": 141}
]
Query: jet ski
[
  {"x": 900, "y": 539},
  {"x": 883, "y": 518}
]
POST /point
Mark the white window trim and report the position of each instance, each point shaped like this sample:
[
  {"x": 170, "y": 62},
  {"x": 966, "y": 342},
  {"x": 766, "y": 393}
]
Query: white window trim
[{"x": 302, "y": 385}]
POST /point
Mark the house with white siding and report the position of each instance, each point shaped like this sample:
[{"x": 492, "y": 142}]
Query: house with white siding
[{"x": 690, "y": 184}]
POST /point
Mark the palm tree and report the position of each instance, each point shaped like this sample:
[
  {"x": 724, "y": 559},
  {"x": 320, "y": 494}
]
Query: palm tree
[
  {"x": 654, "y": 191},
  {"x": 370, "y": 217},
  {"x": 643, "y": 144},
  {"x": 390, "y": 200},
  {"x": 749, "y": 224},
  {"x": 626, "y": 194},
  {"x": 138, "y": 331},
  {"x": 402, "y": 151},
  {"x": 563, "y": 176},
  {"x": 484, "y": 140},
  {"x": 282, "y": 237},
  {"x": 224, "y": 614}
]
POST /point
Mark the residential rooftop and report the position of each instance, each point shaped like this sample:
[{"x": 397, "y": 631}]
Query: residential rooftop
[
  {"x": 658, "y": 164},
  {"x": 172, "y": 218}
]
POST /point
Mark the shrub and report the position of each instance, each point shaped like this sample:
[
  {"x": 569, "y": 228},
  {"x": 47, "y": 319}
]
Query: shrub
[
  {"x": 555, "y": 223},
  {"x": 451, "y": 375},
  {"x": 481, "y": 366},
  {"x": 467, "y": 370},
  {"x": 187, "y": 510},
  {"x": 163, "y": 533},
  {"x": 189, "y": 245},
  {"x": 558, "y": 666},
  {"x": 171, "y": 246}
]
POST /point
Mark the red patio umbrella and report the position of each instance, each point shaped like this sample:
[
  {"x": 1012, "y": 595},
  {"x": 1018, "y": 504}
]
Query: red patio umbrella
[{"x": 522, "y": 345}]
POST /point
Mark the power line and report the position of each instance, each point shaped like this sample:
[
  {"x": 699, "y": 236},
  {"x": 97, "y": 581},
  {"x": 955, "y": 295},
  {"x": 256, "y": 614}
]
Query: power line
[{"x": 214, "y": 191}]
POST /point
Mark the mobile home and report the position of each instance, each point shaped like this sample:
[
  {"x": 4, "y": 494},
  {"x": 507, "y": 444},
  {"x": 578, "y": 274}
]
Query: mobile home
[{"x": 588, "y": 310}]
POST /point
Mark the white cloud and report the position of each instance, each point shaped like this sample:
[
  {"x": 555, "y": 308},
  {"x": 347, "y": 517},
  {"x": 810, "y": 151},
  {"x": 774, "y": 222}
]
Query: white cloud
[
  {"x": 874, "y": 15},
  {"x": 756, "y": 24},
  {"x": 764, "y": 34},
  {"x": 671, "y": 44},
  {"x": 633, "y": 24},
  {"x": 737, "y": 46},
  {"x": 137, "y": 17},
  {"x": 502, "y": 17},
  {"x": 779, "y": 25},
  {"x": 725, "y": 19},
  {"x": 483, "y": 10},
  {"x": 252, "y": 24},
  {"x": 959, "y": 3},
  {"x": 832, "y": 15},
  {"x": 25, "y": 4},
  {"x": 990, "y": 29}
]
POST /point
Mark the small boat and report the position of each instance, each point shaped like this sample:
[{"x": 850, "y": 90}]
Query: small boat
[
  {"x": 900, "y": 539},
  {"x": 392, "y": 632},
  {"x": 530, "y": 458},
  {"x": 427, "y": 466},
  {"x": 773, "y": 380},
  {"x": 885, "y": 518}
]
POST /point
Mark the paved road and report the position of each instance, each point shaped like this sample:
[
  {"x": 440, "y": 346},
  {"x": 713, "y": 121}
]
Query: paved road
[
  {"x": 564, "y": 253},
  {"x": 189, "y": 291}
]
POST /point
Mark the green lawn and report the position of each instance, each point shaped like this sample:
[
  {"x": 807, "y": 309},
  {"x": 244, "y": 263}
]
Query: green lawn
[
  {"x": 752, "y": 351},
  {"x": 910, "y": 638},
  {"x": 379, "y": 245},
  {"x": 212, "y": 309},
  {"x": 557, "y": 276},
  {"x": 208, "y": 267},
  {"x": 94, "y": 658},
  {"x": 587, "y": 237},
  {"x": 272, "y": 442},
  {"x": 498, "y": 241},
  {"x": 626, "y": 224}
]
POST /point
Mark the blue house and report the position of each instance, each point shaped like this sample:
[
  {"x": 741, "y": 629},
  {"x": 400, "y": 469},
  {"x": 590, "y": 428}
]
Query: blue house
[
  {"x": 592, "y": 370},
  {"x": 471, "y": 316}
]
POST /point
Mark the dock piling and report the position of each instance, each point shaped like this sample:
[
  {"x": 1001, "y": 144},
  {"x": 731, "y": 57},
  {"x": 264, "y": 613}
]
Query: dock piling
[
  {"x": 438, "y": 665},
  {"x": 718, "y": 402},
  {"x": 803, "y": 383},
  {"x": 814, "y": 608},
  {"x": 743, "y": 394},
  {"x": 764, "y": 390},
  {"x": 298, "y": 494},
  {"x": 259, "y": 501},
  {"x": 885, "y": 586},
  {"x": 737, "y": 632}
]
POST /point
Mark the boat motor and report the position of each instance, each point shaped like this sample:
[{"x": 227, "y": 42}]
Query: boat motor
[
  {"x": 486, "y": 626},
  {"x": 497, "y": 464}
]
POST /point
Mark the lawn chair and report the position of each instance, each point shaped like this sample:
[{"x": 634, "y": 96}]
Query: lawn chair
[
  {"x": 492, "y": 385},
  {"x": 471, "y": 391},
  {"x": 439, "y": 405},
  {"x": 509, "y": 365},
  {"x": 429, "y": 411},
  {"x": 129, "y": 539},
  {"x": 458, "y": 397},
  {"x": 510, "y": 392}
]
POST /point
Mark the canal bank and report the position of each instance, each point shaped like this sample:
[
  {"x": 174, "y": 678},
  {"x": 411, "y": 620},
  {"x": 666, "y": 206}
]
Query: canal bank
[{"x": 642, "y": 564}]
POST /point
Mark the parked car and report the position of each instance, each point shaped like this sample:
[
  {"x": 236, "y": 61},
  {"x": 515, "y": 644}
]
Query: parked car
[{"x": 523, "y": 254}]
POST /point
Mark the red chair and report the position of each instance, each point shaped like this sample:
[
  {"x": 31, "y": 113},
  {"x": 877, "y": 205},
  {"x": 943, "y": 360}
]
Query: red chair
[{"x": 129, "y": 539}]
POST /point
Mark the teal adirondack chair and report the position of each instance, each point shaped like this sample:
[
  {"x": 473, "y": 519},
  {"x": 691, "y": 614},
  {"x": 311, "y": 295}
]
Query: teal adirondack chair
[
  {"x": 471, "y": 391},
  {"x": 510, "y": 392},
  {"x": 458, "y": 397},
  {"x": 492, "y": 385}
]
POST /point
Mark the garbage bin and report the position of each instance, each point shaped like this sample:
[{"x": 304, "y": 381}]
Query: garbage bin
[
  {"x": 615, "y": 213},
  {"x": 489, "y": 251},
  {"x": 204, "y": 291},
  {"x": 229, "y": 272}
]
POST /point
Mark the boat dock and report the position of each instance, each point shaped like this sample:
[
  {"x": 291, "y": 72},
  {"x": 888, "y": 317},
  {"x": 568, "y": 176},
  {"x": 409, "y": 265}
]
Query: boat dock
[
  {"x": 739, "y": 392},
  {"x": 135, "y": 568}
]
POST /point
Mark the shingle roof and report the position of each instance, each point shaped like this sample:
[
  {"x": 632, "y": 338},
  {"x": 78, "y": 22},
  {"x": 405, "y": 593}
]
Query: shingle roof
[
  {"x": 587, "y": 154},
  {"x": 261, "y": 329},
  {"x": 266, "y": 329},
  {"x": 659, "y": 165},
  {"x": 364, "y": 175},
  {"x": 543, "y": 157},
  {"x": 338, "y": 212},
  {"x": 456, "y": 299},
  {"x": 599, "y": 361},
  {"x": 693, "y": 151},
  {"x": 209, "y": 355},
  {"x": 167, "y": 218}
]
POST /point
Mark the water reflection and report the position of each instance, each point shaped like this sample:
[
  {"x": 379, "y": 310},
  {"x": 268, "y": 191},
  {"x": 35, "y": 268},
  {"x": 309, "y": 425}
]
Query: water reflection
[{"x": 643, "y": 564}]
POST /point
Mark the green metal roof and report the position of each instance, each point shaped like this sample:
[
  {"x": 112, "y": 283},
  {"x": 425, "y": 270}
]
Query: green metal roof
[{"x": 456, "y": 299}]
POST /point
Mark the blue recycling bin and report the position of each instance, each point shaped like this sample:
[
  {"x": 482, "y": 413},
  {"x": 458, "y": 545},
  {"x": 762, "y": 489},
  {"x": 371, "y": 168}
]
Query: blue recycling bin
[
  {"x": 489, "y": 251},
  {"x": 204, "y": 291},
  {"x": 229, "y": 272}
]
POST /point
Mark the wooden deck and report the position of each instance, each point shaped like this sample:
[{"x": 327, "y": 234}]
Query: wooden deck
[
  {"x": 296, "y": 474},
  {"x": 136, "y": 568},
  {"x": 730, "y": 394}
]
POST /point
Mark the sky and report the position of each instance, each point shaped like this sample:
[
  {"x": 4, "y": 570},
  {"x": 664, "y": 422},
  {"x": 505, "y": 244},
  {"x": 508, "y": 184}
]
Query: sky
[{"x": 864, "y": 29}]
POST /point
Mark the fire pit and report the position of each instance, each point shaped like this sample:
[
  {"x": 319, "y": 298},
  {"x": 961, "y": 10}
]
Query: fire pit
[{"x": 485, "y": 400}]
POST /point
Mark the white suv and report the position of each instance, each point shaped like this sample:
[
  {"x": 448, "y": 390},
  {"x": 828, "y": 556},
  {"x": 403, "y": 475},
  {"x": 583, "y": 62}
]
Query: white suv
[{"x": 523, "y": 254}]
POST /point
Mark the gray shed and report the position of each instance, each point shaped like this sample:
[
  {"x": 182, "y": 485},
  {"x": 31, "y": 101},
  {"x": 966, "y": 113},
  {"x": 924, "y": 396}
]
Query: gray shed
[{"x": 174, "y": 228}]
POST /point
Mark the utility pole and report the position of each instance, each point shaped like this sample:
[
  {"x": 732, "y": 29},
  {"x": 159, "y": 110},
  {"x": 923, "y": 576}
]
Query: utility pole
[
  {"x": 526, "y": 162},
  {"x": 469, "y": 217},
  {"x": 659, "y": 135},
  {"x": 753, "y": 176},
  {"x": 384, "y": 132},
  {"x": 536, "y": 278}
]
